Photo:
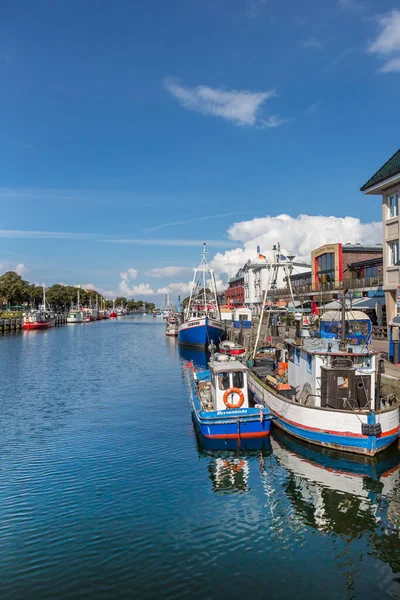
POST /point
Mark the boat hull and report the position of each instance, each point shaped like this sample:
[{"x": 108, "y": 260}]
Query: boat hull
[
  {"x": 242, "y": 423},
  {"x": 330, "y": 428},
  {"x": 200, "y": 332},
  {"x": 27, "y": 326}
]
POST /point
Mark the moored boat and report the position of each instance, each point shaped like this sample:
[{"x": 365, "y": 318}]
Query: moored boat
[
  {"x": 220, "y": 403},
  {"x": 202, "y": 320},
  {"x": 75, "y": 316},
  {"x": 231, "y": 348},
  {"x": 39, "y": 319},
  {"x": 326, "y": 390}
]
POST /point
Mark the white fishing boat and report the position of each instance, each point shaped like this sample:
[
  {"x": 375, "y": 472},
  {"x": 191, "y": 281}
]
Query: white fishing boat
[
  {"x": 326, "y": 390},
  {"x": 76, "y": 315}
]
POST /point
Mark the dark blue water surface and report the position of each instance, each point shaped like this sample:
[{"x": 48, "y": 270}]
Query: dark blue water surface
[{"x": 106, "y": 492}]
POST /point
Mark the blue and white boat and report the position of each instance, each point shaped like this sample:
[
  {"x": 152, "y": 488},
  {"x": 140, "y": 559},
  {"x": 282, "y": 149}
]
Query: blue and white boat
[
  {"x": 202, "y": 319},
  {"x": 327, "y": 390},
  {"x": 220, "y": 404}
]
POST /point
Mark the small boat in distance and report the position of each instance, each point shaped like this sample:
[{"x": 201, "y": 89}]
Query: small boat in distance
[
  {"x": 76, "y": 315},
  {"x": 220, "y": 403},
  {"x": 172, "y": 327},
  {"x": 39, "y": 319}
]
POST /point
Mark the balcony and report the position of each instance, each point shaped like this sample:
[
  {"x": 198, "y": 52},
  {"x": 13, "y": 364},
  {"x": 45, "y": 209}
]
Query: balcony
[{"x": 349, "y": 284}]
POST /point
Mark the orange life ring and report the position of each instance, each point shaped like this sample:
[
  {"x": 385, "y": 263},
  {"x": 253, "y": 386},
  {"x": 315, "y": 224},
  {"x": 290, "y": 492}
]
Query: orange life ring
[{"x": 233, "y": 391}]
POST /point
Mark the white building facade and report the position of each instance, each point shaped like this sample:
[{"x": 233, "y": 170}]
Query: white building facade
[
  {"x": 256, "y": 274},
  {"x": 386, "y": 183}
]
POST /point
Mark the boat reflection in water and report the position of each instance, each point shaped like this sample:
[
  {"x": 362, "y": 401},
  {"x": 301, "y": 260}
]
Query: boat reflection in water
[
  {"x": 354, "y": 497},
  {"x": 199, "y": 357},
  {"x": 229, "y": 461}
]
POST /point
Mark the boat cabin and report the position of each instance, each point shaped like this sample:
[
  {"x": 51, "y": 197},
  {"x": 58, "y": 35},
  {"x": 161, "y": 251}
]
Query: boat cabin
[{"x": 225, "y": 387}]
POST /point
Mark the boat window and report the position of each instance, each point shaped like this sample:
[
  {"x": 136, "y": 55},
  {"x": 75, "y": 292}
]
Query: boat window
[
  {"x": 223, "y": 381},
  {"x": 237, "y": 380}
]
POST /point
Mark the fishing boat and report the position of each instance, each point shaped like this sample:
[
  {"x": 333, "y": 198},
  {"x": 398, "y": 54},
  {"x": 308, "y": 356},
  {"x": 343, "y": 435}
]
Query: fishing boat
[
  {"x": 172, "y": 327},
  {"x": 202, "y": 319},
  {"x": 39, "y": 319},
  {"x": 220, "y": 403},
  {"x": 326, "y": 390},
  {"x": 76, "y": 315}
]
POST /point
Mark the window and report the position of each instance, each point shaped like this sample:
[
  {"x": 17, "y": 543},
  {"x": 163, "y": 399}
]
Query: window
[
  {"x": 393, "y": 252},
  {"x": 297, "y": 356},
  {"x": 309, "y": 363},
  {"x": 223, "y": 381},
  {"x": 237, "y": 380},
  {"x": 393, "y": 204},
  {"x": 326, "y": 267},
  {"x": 371, "y": 271}
]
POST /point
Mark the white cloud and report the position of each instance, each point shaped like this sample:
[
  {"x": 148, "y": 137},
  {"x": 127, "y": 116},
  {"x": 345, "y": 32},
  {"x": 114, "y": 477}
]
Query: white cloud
[
  {"x": 87, "y": 286},
  {"x": 168, "y": 271},
  {"x": 129, "y": 275},
  {"x": 272, "y": 121},
  {"x": 163, "y": 290},
  {"x": 391, "y": 66},
  {"x": 388, "y": 39},
  {"x": 20, "y": 269},
  {"x": 387, "y": 42},
  {"x": 311, "y": 43},
  {"x": 240, "y": 106},
  {"x": 141, "y": 289},
  {"x": 297, "y": 235}
]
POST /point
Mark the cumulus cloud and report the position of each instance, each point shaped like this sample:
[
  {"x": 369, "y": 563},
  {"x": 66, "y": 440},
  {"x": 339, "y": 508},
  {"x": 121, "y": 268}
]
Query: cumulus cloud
[
  {"x": 141, "y": 289},
  {"x": 297, "y": 235},
  {"x": 129, "y": 275},
  {"x": 387, "y": 42},
  {"x": 239, "y": 106},
  {"x": 167, "y": 271},
  {"x": 20, "y": 269}
]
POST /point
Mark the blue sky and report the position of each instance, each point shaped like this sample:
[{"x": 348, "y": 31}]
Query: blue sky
[{"x": 131, "y": 120}]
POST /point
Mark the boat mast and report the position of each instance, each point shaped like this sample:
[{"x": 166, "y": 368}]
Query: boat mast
[
  {"x": 44, "y": 297},
  {"x": 79, "y": 302},
  {"x": 271, "y": 284},
  {"x": 204, "y": 264}
]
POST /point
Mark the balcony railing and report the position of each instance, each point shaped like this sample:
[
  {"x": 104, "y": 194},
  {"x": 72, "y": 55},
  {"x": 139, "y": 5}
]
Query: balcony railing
[{"x": 348, "y": 284}]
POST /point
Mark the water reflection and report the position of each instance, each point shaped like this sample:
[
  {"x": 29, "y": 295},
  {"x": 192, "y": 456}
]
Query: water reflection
[
  {"x": 356, "y": 499},
  {"x": 199, "y": 356}
]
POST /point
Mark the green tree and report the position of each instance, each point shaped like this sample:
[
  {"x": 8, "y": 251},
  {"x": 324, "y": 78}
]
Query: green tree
[
  {"x": 14, "y": 289},
  {"x": 120, "y": 300}
]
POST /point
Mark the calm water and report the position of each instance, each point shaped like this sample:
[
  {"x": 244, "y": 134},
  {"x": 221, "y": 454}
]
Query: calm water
[{"x": 105, "y": 491}]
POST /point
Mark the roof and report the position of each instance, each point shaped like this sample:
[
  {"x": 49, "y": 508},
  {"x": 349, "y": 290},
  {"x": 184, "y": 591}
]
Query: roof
[
  {"x": 369, "y": 262},
  {"x": 389, "y": 169},
  {"x": 378, "y": 248},
  {"x": 230, "y": 365}
]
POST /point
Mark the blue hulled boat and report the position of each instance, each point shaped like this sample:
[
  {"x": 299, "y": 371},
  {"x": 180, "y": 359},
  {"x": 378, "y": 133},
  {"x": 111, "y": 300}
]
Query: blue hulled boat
[
  {"x": 220, "y": 404},
  {"x": 202, "y": 319}
]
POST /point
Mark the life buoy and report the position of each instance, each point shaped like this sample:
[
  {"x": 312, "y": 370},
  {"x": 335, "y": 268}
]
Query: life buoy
[{"x": 233, "y": 391}]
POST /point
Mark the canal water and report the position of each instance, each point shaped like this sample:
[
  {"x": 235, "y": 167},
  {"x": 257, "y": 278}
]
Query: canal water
[{"x": 105, "y": 491}]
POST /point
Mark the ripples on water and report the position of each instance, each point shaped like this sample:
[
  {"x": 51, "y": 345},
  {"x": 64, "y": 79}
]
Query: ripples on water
[{"x": 106, "y": 492}]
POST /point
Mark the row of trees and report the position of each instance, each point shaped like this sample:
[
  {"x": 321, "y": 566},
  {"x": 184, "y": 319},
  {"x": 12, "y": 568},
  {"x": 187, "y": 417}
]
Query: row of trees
[{"x": 16, "y": 291}]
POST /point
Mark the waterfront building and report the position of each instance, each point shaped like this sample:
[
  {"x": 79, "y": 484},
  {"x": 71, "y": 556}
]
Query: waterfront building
[
  {"x": 234, "y": 294},
  {"x": 330, "y": 263},
  {"x": 386, "y": 183},
  {"x": 255, "y": 282}
]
